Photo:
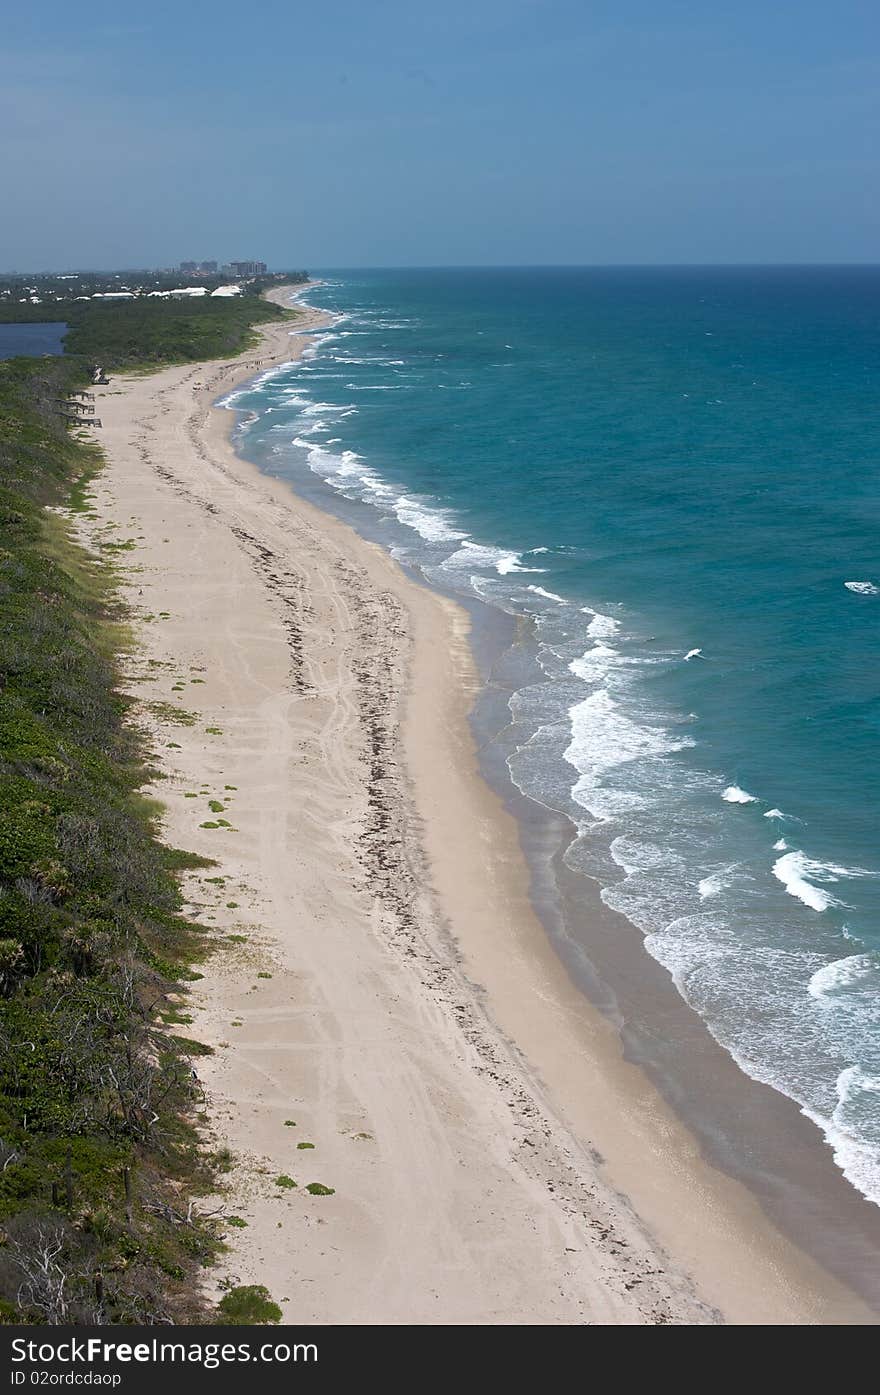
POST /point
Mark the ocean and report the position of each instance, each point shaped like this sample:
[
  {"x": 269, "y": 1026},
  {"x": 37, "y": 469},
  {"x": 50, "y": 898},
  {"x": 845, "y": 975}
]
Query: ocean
[{"x": 670, "y": 477}]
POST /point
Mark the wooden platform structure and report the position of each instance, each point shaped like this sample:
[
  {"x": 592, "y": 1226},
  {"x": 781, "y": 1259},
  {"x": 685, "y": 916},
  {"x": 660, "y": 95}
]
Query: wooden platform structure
[{"x": 78, "y": 419}]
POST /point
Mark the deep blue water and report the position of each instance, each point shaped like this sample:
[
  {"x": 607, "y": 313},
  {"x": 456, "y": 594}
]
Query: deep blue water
[
  {"x": 677, "y": 474},
  {"x": 31, "y": 340}
]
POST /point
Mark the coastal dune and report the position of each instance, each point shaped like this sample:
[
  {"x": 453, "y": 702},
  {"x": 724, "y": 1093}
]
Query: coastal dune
[{"x": 387, "y": 1020}]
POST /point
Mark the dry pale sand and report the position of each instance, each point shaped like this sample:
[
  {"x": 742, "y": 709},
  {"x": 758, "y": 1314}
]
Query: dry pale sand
[{"x": 381, "y": 989}]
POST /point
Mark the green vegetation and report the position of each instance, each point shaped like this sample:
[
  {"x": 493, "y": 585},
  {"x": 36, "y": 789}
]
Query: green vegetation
[
  {"x": 318, "y": 1189},
  {"x": 145, "y": 331},
  {"x": 167, "y": 712},
  {"x": 305, "y": 1145},
  {"x": 284, "y": 1181},
  {"x": 101, "y": 1165},
  {"x": 250, "y": 1303}
]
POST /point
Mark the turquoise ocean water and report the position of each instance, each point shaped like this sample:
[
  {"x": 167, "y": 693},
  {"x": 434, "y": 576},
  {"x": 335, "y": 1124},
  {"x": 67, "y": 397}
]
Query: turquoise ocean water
[{"x": 676, "y": 474}]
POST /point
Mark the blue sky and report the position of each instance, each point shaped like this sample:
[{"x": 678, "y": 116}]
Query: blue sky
[{"x": 389, "y": 133}]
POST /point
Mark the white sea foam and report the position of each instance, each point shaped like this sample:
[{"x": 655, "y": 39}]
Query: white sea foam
[
  {"x": 472, "y": 554},
  {"x": 294, "y": 395},
  {"x": 349, "y": 358},
  {"x": 862, "y": 588},
  {"x": 432, "y": 523},
  {"x": 790, "y": 869},
  {"x": 601, "y": 626},
  {"x": 513, "y": 562},
  {"x": 734, "y": 795},
  {"x": 248, "y": 418},
  {"x": 347, "y": 473},
  {"x": 774, "y": 814},
  {"x": 712, "y": 886},
  {"x": 604, "y": 738},
  {"x": 856, "y": 1157},
  {"x": 799, "y": 873},
  {"x": 548, "y": 595},
  {"x": 781, "y": 846},
  {"x": 830, "y": 981},
  {"x": 315, "y": 409},
  {"x": 348, "y": 462},
  {"x": 596, "y": 663},
  {"x": 693, "y": 654}
]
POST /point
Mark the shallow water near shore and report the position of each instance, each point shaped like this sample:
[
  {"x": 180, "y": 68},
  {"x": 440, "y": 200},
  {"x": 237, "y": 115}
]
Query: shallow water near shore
[{"x": 631, "y": 461}]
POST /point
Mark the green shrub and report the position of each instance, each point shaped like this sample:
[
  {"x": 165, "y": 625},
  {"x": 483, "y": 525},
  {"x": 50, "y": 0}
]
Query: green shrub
[{"x": 249, "y": 1303}]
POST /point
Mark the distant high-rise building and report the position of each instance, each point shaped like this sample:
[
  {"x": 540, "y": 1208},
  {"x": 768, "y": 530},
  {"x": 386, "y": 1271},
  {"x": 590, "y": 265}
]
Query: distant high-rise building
[
  {"x": 198, "y": 268},
  {"x": 245, "y": 269}
]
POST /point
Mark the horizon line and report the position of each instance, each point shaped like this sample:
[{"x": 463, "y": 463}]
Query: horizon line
[{"x": 477, "y": 266}]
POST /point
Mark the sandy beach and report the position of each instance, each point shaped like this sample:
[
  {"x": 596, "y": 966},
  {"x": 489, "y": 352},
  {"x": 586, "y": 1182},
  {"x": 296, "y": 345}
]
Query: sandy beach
[{"x": 387, "y": 1016}]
